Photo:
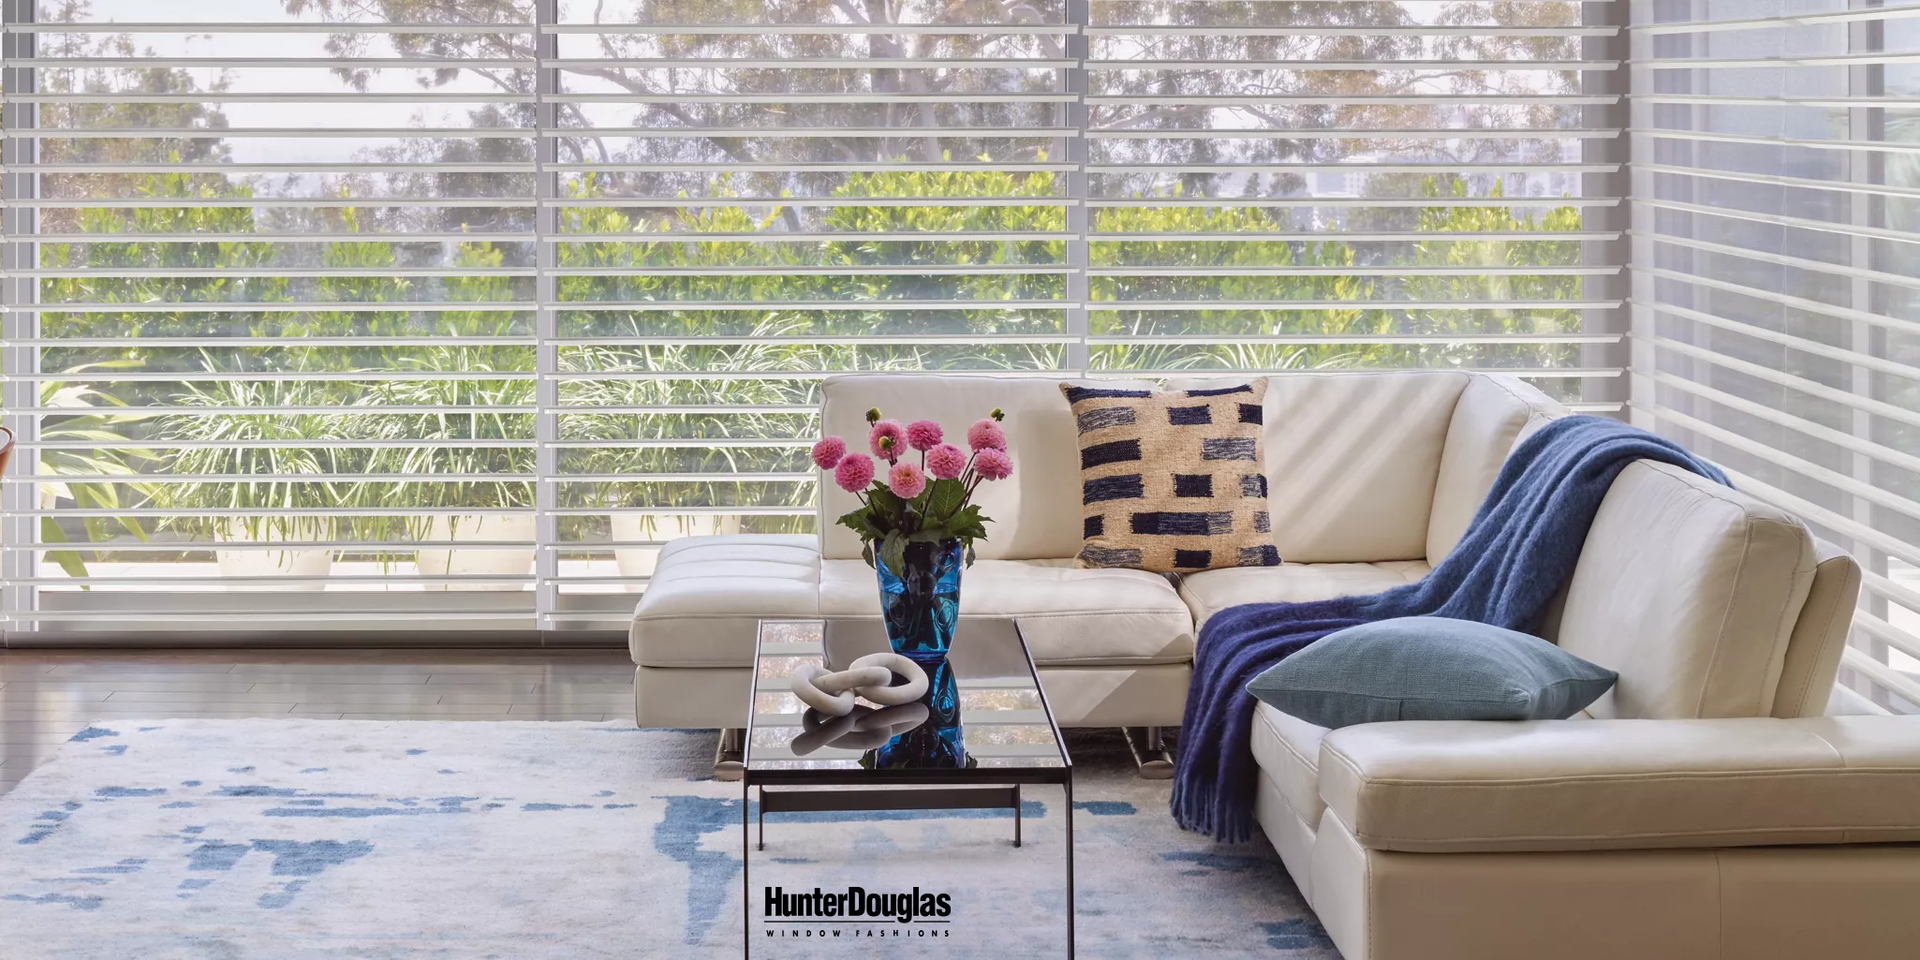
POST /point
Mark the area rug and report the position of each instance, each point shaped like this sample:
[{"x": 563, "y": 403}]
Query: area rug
[{"x": 240, "y": 839}]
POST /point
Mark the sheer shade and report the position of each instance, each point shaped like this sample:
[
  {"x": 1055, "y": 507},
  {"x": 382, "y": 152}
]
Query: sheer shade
[
  {"x": 1774, "y": 197},
  {"x": 449, "y": 319}
]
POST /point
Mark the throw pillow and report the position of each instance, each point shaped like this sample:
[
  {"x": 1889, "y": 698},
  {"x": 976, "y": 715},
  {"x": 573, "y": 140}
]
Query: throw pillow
[
  {"x": 1171, "y": 481},
  {"x": 1430, "y": 668}
]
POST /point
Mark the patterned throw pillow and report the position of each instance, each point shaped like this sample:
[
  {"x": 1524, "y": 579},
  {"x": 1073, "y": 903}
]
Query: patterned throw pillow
[{"x": 1171, "y": 481}]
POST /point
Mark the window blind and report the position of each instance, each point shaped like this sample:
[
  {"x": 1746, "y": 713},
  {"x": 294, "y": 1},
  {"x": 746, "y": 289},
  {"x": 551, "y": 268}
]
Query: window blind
[
  {"x": 1774, "y": 190},
  {"x": 406, "y": 315}
]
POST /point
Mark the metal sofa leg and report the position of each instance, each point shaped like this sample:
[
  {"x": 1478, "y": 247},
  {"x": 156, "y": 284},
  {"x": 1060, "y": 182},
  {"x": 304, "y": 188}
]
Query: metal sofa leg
[
  {"x": 728, "y": 757},
  {"x": 1149, "y": 750}
]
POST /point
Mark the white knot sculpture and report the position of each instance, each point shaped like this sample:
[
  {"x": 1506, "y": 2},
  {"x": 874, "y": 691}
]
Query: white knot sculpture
[{"x": 870, "y": 676}]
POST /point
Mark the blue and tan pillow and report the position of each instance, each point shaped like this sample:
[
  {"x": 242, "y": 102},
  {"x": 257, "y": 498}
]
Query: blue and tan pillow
[{"x": 1171, "y": 481}]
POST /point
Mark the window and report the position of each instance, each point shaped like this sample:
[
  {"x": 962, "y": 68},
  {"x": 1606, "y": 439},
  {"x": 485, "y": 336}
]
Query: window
[
  {"x": 1776, "y": 259},
  {"x": 408, "y": 315}
]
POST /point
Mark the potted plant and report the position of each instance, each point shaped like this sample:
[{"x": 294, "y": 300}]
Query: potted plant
[
  {"x": 219, "y": 448},
  {"x": 917, "y": 522}
]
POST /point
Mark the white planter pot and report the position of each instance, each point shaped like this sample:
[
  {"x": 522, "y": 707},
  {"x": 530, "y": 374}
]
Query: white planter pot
[
  {"x": 455, "y": 562},
  {"x": 241, "y": 564},
  {"x": 641, "y": 561}
]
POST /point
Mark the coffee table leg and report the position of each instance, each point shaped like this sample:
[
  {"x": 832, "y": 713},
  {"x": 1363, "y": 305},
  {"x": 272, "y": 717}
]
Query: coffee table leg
[
  {"x": 1016, "y": 814},
  {"x": 746, "y": 887},
  {"x": 1069, "y": 789}
]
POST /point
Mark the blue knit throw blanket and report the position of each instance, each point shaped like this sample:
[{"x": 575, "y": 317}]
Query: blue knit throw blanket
[{"x": 1513, "y": 558}]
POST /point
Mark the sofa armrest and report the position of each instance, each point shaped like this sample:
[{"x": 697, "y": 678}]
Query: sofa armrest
[{"x": 1460, "y": 786}]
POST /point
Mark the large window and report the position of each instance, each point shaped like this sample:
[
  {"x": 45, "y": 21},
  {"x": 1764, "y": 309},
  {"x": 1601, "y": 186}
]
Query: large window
[
  {"x": 399, "y": 315},
  {"x": 1777, "y": 278}
]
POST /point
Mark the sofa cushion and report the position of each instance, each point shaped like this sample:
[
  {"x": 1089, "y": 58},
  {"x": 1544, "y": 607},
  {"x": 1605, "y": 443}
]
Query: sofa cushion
[
  {"x": 1689, "y": 590},
  {"x": 1352, "y": 461},
  {"x": 706, "y": 599},
  {"x": 1288, "y": 749},
  {"x": 707, "y": 595},
  {"x": 1429, "y": 668},
  {"x": 1210, "y": 592},
  {"x": 1170, "y": 480},
  {"x": 1068, "y": 615},
  {"x": 1493, "y": 411},
  {"x": 1465, "y": 786}
]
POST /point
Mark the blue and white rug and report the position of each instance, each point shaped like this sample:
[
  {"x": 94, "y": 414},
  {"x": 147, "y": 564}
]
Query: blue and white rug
[{"x": 241, "y": 839}]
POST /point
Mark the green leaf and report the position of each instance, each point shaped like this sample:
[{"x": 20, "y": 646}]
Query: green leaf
[
  {"x": 68, "y": 561},
  {"x": 893, "y": 553},
  {"x": 883, "y": 500},
  {"x": 944, "y": 498},
  {"x": 866, "y": 552}
]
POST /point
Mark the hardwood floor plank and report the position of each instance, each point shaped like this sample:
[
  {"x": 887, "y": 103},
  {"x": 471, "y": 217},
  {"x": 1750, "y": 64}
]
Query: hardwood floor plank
[
  {"x": 572, "y": 695},
  {"x": 424, "y": 711},
  {"x": 272, "y": 696},
  {"x": 481, "y": 681},
  {"x": 137, "y": 670},
  {"x": 31, "y": 697},
  {"x": 402, "y": 676},
  {"x": 110, "y": 686}
]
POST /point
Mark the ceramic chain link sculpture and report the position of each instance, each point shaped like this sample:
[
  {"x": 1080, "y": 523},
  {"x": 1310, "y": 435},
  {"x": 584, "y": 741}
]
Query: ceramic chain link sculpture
[{"x": 871, "y": 677}]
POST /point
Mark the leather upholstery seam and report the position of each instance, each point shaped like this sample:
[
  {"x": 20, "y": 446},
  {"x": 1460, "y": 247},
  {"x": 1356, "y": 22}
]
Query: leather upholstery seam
[
  {"x": 1451, "y": 840},
  {"x": 1726, "y": 616},
  {"x": 1781, "y": 773}
]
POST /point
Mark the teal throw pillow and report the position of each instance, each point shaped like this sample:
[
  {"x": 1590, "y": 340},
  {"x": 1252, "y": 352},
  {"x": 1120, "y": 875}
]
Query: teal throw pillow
[{"x": 1430, "y": 668}]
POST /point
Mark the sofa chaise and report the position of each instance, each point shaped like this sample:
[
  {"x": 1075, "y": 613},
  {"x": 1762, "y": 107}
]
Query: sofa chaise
[{"x": 1704, "y": 807}]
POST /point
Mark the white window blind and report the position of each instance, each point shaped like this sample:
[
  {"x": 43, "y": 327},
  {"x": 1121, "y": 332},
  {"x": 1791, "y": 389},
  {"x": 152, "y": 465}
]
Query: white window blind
[
  {"x": 1775, "y": 251},
  {"x": 414, "y": 315}
]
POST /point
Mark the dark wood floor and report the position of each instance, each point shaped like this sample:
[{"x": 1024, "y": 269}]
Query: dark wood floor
[{"x": 46, "y": 697}]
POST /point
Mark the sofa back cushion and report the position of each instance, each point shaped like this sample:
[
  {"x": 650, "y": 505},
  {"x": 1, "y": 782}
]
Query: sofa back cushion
[
  {"x": 1494, "y": 411},
  {"x": 1690, "y": 591},
  {"x": 1352, "y": 460},
  {"x": 1036, "y": 512}
]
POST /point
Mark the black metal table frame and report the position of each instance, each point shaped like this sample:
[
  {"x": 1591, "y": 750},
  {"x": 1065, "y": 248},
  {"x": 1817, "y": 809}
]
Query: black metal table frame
[{"x": 989, "y": 787}]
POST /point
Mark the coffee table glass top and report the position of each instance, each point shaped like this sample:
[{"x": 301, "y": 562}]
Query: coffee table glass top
[{"x": 993, "y": 720}]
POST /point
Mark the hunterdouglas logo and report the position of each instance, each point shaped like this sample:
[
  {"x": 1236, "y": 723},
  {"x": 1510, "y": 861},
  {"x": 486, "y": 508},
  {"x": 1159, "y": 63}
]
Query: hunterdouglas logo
[{"x": 856, "y": 905}]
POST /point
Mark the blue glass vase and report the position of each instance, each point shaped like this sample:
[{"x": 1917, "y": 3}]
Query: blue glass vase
[
  {"x": 921, "y": 601},
  {"x": 939, "y": 743}
]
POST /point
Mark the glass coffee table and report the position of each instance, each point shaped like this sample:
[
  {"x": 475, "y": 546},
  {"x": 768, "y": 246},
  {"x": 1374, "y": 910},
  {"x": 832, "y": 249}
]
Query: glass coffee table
[{"x": 981, "y": 732}]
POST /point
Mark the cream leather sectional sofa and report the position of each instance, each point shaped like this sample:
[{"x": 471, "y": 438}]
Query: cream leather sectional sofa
[{"x": 1703, "y": 808}]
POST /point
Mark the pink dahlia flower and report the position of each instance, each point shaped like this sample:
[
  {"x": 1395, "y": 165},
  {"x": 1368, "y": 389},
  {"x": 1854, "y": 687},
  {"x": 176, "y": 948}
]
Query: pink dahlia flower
[
  {"x": 993, "y": 464},
  {"x": 888, "y": 439},
  {"x": 828, "y": 453},
  {"x": 946, "y": 462},
  {"x": 906, "y": 480},
  {"x": 854, "y": 472},
  {"x": 986, "y": 435},
  {"x": 923, "y": 434}
]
